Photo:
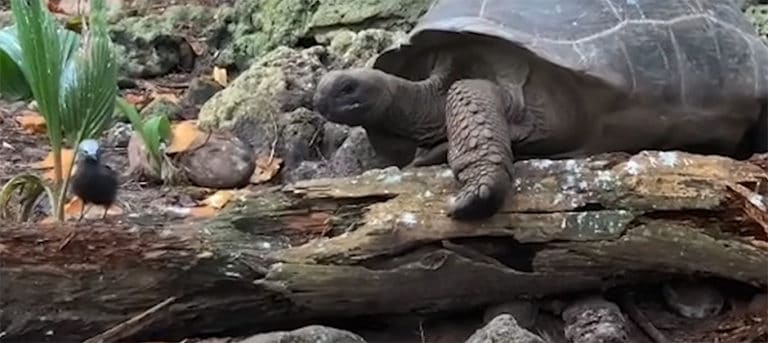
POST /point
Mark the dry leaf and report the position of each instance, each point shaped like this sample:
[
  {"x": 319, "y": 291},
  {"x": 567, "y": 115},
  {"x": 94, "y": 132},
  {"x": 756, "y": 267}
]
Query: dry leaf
[
  {"x": 195, "y": 212},
  {"x": 167, "y": 96},
  {"x": 183, "y": 136},
  {"x": 75, "y": 205},
  {"x": 202, "y": 212},
  {"x": 266, "y": 169},
  {"x": 137, "y": 100},
  {"x": 31, "y": 122},
  {"x": 197, "y": 47},
  {"x": 219, "y": 199},
  {"x": 67, "y": 161},
  {"x": 220, "y": 76}
]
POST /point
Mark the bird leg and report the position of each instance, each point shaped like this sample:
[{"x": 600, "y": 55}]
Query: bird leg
[
  {"x": 479, "y": 147},
  {"x": 82, "y": 212},
  {"x": 106, "y": 208}
]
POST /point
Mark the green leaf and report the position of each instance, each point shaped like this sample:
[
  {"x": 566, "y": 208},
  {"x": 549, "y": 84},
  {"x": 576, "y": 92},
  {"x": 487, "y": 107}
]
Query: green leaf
[
  {"x": 14, "y": 85},
  {"x": 31, "y": 187},
  {"x": 152, "y": 132},
  {"x": 89, "y": 82},
  {"x": 158, "y": 129},
  {"x": 38, "y": 35}
]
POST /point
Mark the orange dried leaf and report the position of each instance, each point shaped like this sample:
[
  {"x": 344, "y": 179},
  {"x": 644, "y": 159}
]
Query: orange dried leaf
[
  {"x": 202, "y": 212},
  {"x": 220, "y": 76},
  {"x": 266, "y": 169},
  {"x": 219, "y": 199},
  {"x": 73, "y": 207},
  {"x": 170, "y": 97},
  {"x": 31, "y": 122},
  {"x": 67, "y": 162},
  {"x": 183, "y": 135},
  {"x": 138, "y": 100}
]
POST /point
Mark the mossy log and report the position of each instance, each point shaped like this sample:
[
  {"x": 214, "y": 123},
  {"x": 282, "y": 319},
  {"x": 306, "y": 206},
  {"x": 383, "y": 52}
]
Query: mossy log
[{"x": 381, "y": 244}]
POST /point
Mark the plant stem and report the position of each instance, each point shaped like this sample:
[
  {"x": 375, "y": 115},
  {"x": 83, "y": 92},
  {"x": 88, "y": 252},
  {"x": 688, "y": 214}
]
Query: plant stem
[{"x": 57, "y": 170}]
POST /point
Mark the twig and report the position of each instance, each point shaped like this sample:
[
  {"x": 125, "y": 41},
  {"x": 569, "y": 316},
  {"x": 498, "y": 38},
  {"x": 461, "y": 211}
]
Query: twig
[
  {"x": 67, "y": 239},
  {"x": 130, "y": 326},
  {"x": 274, "y": 142},
  {"x": 629, "y": 305}
]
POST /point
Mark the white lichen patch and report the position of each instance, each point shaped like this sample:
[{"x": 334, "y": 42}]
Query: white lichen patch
[
  {"x": 669, "y": 158},
  {"x": 445, "y": 173},
  {"x": 633, "y": 168},
  {"x": 265, "y": 245},
  {"x": 204, "y": 254},
  {"x": 758, "y": 201},
  {"x": 605, "y": 179},
  {"x": 392, "y": 179},
  {"x": 541, "y": 164},
  {"x": 427, "y": 194},
  {"x": 408, "y": 219}
]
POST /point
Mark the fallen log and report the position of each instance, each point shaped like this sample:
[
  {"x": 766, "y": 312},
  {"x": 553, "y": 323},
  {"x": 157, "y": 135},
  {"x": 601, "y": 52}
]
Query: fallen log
[{"x": 381, "y": 244}]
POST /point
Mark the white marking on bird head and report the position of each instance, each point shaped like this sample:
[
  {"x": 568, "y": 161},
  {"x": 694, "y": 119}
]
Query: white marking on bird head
[{"x": 90, "y": 148}]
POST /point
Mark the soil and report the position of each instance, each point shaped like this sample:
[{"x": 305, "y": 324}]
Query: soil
[{"x": 147, "y": 205}]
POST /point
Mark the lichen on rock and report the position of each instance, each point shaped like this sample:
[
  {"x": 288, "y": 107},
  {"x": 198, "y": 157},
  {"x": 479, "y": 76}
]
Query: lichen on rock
[
  {"x": 150, "y": 45},
  {"x": 758, "y": 16},
  {"x": 269, "y": 106}
]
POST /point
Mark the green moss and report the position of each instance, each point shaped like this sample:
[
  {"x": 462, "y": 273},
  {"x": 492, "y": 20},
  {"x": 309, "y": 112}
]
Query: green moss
[
  {"x": 391, "y": 14},
  {"x": 758, "y": 16},
  {"x": 263, "y": 26},
  {"x": 135, "y": 37}
]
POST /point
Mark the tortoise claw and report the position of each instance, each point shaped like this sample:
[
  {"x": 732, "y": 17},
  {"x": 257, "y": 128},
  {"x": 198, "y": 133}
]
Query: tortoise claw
[{"x": 478, "y": 200}]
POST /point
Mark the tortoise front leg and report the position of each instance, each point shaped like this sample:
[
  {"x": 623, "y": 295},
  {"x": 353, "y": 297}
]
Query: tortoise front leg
[{"x": 479, "y": 151}]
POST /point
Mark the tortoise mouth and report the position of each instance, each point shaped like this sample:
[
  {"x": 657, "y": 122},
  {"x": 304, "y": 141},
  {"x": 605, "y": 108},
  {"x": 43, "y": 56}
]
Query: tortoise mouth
[{"x": 348, "y": 114}]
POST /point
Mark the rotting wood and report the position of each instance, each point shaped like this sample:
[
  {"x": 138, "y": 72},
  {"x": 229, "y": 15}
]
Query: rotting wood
[{"x": 567, "y": 226}]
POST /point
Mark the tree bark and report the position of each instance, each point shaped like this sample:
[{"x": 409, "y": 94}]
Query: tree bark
[{"x": 381, "y": 244}]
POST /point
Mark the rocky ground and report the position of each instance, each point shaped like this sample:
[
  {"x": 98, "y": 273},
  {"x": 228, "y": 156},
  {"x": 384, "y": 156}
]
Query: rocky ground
[{"x": 273, "y": 53}]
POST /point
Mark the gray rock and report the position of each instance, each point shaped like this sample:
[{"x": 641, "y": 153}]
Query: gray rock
[
  {"x": 200, "y": 90},
  {"x": 503, "y": 329},
  {"x": 280, "y": 82},
  {"x": 257, "y": 27},
  {"x": 161, "y": 107},
  {"x": 524, "y": 312},
  {"x": 119, "y": 135},
  {"x": 595, "y": 320},
  {"x": 307, "y": 170},
  {"x": 693, "y": 299},
  {"x": 300, "y": 137},
  {"x": 307, "y": 334},
  {"x": 355, "y": 155},
  {"x": 149, "y": 45},
  {"x": 758, "y": 16},
  {"x": 350, "y": 49},
  {"x": 334, "y": 135}
]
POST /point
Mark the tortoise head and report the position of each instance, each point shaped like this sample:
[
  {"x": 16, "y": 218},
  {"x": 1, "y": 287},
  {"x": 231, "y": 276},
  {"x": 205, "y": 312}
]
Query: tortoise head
[{"x": 352, "y": 97}]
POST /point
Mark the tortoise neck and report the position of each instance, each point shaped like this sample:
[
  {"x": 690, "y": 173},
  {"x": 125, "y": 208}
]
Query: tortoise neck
[{"x": 417, "y": 110}]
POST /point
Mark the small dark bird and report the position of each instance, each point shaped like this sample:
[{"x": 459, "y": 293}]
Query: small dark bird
[{"x": 93, "y": 182}]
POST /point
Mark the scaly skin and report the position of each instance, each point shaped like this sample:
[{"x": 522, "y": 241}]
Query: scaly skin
[
  {"x": 465, "y": 124},
  {"x": 398, "y": 114},
  {"x": 479, "y": 152}
]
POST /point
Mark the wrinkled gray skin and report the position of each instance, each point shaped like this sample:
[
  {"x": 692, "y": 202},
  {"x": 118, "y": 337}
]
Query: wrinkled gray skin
[{"x": 557, "y": 79}]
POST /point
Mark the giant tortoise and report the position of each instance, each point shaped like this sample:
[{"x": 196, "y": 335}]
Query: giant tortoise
[{"x": 481, "y": 83}]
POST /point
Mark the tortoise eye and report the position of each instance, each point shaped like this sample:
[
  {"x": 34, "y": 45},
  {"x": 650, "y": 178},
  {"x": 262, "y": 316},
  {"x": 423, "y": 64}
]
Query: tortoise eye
[{"x": 347, "y": 88}]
